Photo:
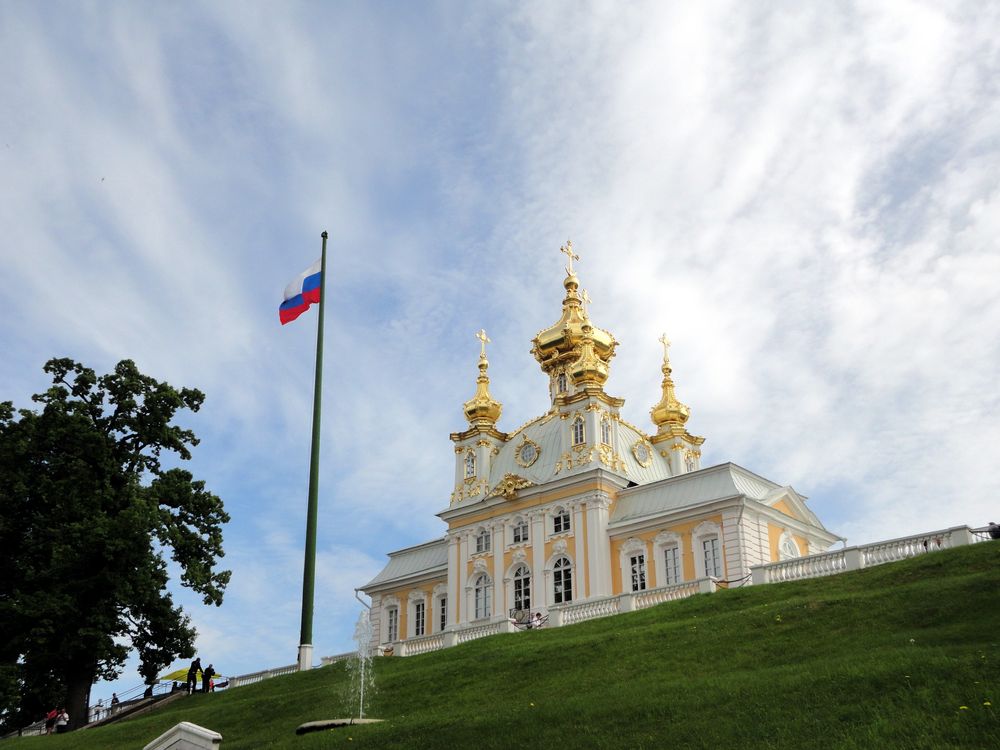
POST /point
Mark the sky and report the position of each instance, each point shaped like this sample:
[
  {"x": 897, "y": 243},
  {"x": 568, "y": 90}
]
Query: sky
[{"x": 803, "y": 196}]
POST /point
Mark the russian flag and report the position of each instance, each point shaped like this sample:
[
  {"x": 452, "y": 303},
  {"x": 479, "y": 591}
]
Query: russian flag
[{"x": 301, "y": 293}]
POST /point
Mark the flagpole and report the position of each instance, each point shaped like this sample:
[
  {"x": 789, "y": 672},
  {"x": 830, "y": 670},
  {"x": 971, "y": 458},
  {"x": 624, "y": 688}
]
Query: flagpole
[{"x": 309, "y": 568}]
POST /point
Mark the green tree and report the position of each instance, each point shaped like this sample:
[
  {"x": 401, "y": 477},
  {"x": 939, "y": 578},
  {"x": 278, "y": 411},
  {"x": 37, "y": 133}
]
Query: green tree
[{"x": 88, "y": 518}]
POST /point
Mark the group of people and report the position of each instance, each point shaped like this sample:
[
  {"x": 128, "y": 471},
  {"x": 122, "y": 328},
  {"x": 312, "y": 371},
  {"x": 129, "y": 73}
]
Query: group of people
[
  {"x": 57, "y": 719},
  {"x": 207, "y": 683}
]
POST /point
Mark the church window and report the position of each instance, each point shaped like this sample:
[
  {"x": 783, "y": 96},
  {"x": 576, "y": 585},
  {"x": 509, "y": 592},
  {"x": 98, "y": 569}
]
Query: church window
[
  {"x": 483, "y": 596},
  {"x": 470, "y": 465},
  {"x": 520, "y": 531},
  {"x": 638, "y": 566},
  {"x": 392, "y": 616},
  {"x": 419, "y": 617},
  {"x": 713, "y": 563},
  {"x": 562, "y": 581},
  {"x": 443, "y": 612},
  {"x": 560, "y": 521},
  {"x": 606, "y": 431},
  {"x": 522, "y": 588},
  {"x": 578, "y": 434},
  {"x": 671, "y": 565},
  {"x": 561, "y": 383},
  {"x": 689, "y": 462},
  {"x": 483, "y": 541}
]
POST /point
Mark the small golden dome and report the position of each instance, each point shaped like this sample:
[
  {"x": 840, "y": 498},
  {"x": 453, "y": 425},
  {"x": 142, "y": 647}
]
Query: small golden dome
[
  {"x": 669, "y": 411},
  {"x": 589, "y": 369},
  {"x": 482, "y": 409}
]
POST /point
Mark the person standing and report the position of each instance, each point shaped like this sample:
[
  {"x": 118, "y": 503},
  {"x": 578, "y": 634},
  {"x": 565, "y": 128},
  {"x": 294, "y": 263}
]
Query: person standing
[
  {"x": 50, "y": 720},
  {"x": 62, "y": 721},
  {"x": 206, "y": 678},
  {"x": 192, "y": 683}
]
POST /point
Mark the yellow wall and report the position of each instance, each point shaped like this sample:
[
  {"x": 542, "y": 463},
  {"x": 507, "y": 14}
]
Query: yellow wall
[
  {"x": 403, "y": 595},
  {"x": 683, "y": 530}
]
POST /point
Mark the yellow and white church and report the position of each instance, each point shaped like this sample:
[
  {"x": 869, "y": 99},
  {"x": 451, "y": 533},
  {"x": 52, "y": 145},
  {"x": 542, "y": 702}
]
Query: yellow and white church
[{"x": 579, "y": 513}]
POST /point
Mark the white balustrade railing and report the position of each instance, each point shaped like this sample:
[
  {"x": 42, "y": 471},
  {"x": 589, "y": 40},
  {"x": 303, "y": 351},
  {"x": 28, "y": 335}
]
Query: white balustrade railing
[
  {"x": 863, "y": 556},
  {"x": 266, "y": 674},
  {"x": 478, "y": 631},
  {"x": 589, "y": 610},
  {"x": 422, "y": 645},
  {"x": 652, "y": 597}
]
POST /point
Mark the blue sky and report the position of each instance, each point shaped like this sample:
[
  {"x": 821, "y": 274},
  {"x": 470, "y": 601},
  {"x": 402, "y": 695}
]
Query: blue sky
[{"x": 803, "y": 196}]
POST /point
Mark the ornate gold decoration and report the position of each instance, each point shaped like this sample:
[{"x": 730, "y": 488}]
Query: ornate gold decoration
[
  {"x": 482, "y": 410},
  {"x": 643, "y": 453},
  {"x": 509, "y": 485},
  {"x": 523, "y": 461},
  {"x": 669, "y": 411},
  {"x": 589, "y": 369},
  {"x": 557, "y": 346}
]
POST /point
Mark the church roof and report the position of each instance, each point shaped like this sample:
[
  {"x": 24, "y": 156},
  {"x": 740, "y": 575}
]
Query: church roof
[
  {"x": 695, "y": 488},
  {"x": 426, "y": 558}
]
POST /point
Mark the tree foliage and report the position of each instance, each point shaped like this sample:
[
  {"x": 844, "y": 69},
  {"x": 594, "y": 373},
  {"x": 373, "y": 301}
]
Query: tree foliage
[{"x": 89, "y": 517}]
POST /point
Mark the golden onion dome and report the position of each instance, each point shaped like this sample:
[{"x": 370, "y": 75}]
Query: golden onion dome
[
  {"x": 482, "y": 409},
  {"x": 669, "y": 411},
  {"x": 560, "y": 343}
]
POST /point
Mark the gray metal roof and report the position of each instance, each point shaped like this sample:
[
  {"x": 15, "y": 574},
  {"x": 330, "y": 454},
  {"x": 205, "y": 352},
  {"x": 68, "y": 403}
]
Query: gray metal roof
[
  {"x": 698, "y": 487},
  {"x": 423, "y": 558}
]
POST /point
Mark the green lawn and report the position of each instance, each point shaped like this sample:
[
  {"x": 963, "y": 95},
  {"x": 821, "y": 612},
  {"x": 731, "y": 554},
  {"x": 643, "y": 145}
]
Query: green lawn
[{"x": 899, "y": 656}]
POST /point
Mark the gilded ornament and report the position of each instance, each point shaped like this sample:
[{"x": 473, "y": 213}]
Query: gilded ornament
[
  {"x": 642, "y": 453},
  {"x": 509, "y": 485},
  {"x": 527, "y": 453}
]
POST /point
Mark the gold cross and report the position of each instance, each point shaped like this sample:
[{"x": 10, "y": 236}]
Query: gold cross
[
  {"x": 568, "y": 249},
  {"x": 586, "y": 301},
  {"x": 666, "y": 343},
  {"x": 483, "y": 341}
]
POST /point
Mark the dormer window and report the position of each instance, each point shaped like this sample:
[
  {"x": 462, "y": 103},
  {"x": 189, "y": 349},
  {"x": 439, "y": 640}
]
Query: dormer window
[
  {"x": 561, "y": 383},
  {"x": 470, "y": 465},
  {"x": 578, "y": 434},
  {"x": 606, "y": 431}
]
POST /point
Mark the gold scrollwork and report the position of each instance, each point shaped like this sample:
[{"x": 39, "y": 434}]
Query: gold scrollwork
[
  {"x": 642, "y": 453},
  {"x": 509, "y": 485}
]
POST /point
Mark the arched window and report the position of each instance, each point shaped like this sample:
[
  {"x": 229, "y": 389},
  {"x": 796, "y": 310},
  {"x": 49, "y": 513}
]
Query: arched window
[
  {"x": 578, "y": 433},
  {"x": 470, "y": 465},
  {"x": 419, "y": 617},
  {"x": 483, "y": 541},
  {"x": 561, "y": 383},
  {"x": 520, "y": 531},
  {"x": 483, "y": 589},
  {"x": 606, "y": 431},
  {"x": 562, "y": 581},
  {"x": 522, "y": 588},
  {"x": 788, "y": 549}
]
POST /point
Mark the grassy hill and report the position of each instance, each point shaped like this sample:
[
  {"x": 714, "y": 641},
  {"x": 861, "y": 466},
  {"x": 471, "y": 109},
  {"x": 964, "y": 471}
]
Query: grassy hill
[{"x": 899, "y": 656}]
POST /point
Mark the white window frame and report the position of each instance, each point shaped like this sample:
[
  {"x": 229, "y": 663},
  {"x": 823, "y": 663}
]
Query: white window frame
[
  {"x": 520, "y": 531},
  {"x": 482, "y": 597},
  {"x": 442, "y": 612},
  {"x": 561, "y": 383},
  {"x": 606, "y": 431},
  {"x": 419, "y": 618},
  {"x": 578, "y": 431},
  {"x": 667, "y": 541},
  {"x": 392, "y": 623},
  {"x": 788, "y": 548},
  {"x": 470, "y": 464},
  {"x": 560, "y": 573},
  {"x": 561, "y": 521},
  {"x": 439, "y": 606},
  {"x": 521, "y": 578},
  {"x": 707, "y": 531},
  {"x": 483, "y": 541}
]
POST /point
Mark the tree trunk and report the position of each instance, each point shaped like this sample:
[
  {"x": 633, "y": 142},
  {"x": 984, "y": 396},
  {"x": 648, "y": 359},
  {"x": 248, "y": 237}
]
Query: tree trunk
[{"x": 78, "y": 684}]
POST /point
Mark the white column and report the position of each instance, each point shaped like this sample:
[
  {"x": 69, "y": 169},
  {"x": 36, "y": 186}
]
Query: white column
[
  {"x": 463, "y": 573},
  {"x": 499, "y": 597},
  {"x": 737, "y": 565},
  {"x": 598, "y": 545},
  {"x": 454, "y": 583},
  {"x": 539, "y": 591},
  {"x": 579, "y": 554}
]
